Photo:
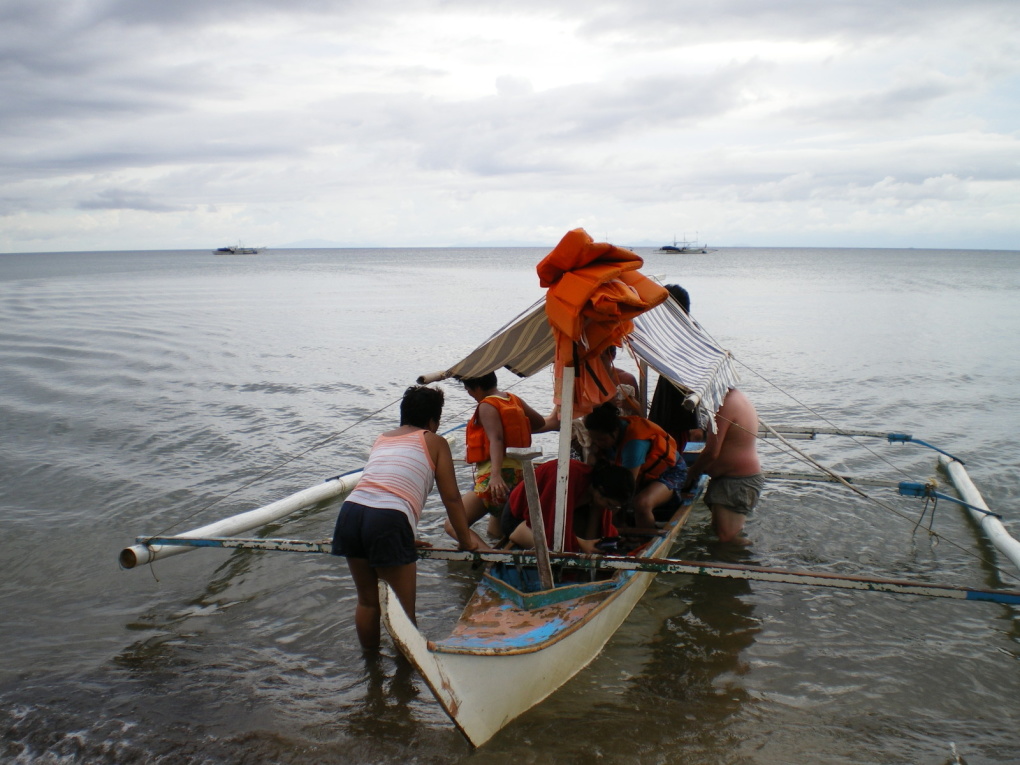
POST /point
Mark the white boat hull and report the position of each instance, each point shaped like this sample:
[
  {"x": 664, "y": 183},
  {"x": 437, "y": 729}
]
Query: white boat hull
[
  {"x": 482, "y": 692},
  {"x": 511, "y": 649}
]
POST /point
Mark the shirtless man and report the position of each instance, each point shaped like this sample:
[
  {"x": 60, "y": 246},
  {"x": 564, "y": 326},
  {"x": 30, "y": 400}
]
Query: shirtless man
[{"x": 730, "y": 459}]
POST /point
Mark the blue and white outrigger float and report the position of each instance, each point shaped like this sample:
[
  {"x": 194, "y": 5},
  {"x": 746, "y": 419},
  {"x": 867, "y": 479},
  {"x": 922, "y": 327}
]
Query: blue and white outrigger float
[{"x": 539, "y": 617}]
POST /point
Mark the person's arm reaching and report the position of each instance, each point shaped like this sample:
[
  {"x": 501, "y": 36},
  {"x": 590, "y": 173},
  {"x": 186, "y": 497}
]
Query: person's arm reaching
[{"x": 449, "y": 493}]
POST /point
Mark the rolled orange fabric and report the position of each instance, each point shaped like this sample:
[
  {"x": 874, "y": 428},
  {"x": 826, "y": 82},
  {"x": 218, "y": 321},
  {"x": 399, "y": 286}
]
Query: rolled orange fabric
[{"x": 594, "y": 290}]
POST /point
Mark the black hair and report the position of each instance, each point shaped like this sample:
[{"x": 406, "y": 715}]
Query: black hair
[
  {"x": 680, "y": 295},
  {"x": 613, "y": 482},
  {"x": 421, "y": 405},
  {"x": 604, "y": 419},
  {"x": 485, "y": 382}
]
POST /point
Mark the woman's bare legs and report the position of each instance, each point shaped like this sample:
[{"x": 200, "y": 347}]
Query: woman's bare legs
[{"x": 367, "y": 614}]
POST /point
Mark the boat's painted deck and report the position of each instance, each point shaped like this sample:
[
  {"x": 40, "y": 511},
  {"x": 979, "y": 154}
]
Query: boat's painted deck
[
  {"x": 493, "y": 624},
  {"x": 500, "y": 619}
]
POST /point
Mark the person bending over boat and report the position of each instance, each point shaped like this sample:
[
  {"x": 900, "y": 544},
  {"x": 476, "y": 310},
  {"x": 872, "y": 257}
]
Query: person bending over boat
[
  {"x": 501, "y": 420},
  {"x": 730, "y": 459},
  {"x": 645, "y": 449},
  {"x": 594, "y": 496},
  {"x": 377, "y": 525}
]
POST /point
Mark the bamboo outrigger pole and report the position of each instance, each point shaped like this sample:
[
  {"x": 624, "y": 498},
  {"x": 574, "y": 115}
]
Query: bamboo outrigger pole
[
  {"x": 148, "y": 551},
  {"x": 987, "y": 520}
]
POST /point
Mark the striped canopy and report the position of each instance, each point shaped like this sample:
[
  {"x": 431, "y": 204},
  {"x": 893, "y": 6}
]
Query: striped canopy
[{"x": 665, "y": 338}]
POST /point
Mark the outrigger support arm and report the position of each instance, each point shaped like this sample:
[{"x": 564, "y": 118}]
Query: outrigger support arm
[
  {"x": 635, "y": 563},
  {"x": 798, "y": 432},
  {"x": 902, "y": 438},
  {"x": 914, "y": 489}
]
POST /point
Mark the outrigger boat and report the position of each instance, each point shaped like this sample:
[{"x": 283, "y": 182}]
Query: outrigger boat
[
  {"x": 238, "y": 249},
  {"x": 518, "y": 640},
  {"x": 539, "y": 617},
  {"x": 686, "y": 247}
]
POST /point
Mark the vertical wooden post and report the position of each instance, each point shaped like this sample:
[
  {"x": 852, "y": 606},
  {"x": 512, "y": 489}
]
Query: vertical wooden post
[
  {"x": 563, "y": 456},
  {"x": 545, "y": 576},
  {"x": 643, "y": 383}
]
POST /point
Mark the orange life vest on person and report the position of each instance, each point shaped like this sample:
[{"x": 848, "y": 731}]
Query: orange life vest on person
[
  {"x": 661, "y": 455},
  {"x": 516, "y": 427}
]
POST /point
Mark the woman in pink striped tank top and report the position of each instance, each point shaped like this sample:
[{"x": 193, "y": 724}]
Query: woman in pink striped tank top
[{"x": 377, "y": 527}]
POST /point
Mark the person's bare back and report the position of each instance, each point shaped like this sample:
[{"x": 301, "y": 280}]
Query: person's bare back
[
  {"x": 736, "y": 442},
  {"x": 730, "y": 459}
]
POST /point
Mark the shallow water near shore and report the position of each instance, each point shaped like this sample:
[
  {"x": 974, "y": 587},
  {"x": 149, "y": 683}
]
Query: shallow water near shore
[{"x": 152, "y": 392}]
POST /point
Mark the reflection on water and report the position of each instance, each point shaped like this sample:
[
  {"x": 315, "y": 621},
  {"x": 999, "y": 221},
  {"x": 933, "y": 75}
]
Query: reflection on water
[{"x": 389, "y": 691}]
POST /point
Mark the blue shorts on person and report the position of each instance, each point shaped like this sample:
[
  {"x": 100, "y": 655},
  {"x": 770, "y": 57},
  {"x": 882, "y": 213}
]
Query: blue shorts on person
[
  {"x": 380, "y": 535},
  {"x": 674, "y": 477}
]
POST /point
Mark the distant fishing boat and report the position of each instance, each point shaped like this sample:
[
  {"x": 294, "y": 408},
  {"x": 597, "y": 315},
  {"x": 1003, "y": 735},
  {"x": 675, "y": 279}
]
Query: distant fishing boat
[
  {"x": 686, "y": 246},
  {"x": 238, "y": 249}
]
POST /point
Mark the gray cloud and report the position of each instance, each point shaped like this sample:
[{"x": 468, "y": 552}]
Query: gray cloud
[
  {"x": 921, "y": 97},
  {"x": 120, "y": 199}
]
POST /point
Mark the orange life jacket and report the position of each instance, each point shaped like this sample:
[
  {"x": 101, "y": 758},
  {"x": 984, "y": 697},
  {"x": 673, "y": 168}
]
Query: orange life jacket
[
  {"x": 516, "y": 427},
  {"x": 594, "y": 290},
  {"x": 661, "y": 455}
]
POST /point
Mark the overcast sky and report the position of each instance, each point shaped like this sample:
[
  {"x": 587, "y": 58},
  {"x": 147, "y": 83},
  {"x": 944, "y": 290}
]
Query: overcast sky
[{"x": 143, "y": 124}]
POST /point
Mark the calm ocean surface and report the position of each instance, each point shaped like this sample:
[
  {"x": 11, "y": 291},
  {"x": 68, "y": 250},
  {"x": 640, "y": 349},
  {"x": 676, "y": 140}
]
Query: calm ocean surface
[{"x": 139, "y": 389}]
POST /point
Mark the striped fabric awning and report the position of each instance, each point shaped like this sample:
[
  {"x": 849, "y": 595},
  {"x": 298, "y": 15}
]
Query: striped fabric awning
[
  {"x": 665, "y": 338},
  {"x": 524, "y": 346},
  {"x": 676, "y": 347}
]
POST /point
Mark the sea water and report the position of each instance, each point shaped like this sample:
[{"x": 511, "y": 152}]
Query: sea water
[{"x": 152, "y": 392}]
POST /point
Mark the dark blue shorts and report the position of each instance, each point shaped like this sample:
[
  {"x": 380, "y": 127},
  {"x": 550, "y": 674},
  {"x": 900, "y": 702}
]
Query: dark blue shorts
[
  {"x": 674, "y": 477},
  {"x": 380, "y": 535}
]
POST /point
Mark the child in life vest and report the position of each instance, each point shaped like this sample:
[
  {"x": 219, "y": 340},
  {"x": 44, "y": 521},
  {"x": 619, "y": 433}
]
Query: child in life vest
[
  {"x": 594, "y": 496},
  {"x": 646, "y": 450},
  {"x": 500, "y": 421}
]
